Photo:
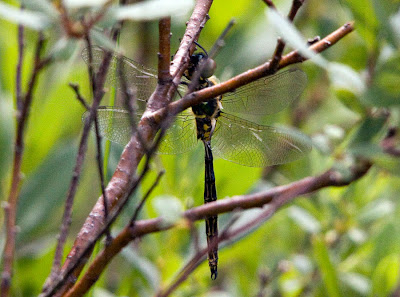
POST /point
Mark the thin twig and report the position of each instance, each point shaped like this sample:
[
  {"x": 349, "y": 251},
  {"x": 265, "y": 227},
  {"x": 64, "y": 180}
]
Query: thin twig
[
  {"x": 85, "y": 251},
  {"x": 66, "y": 221},
  {"x": 220, "y": 42},
  {"x": 98, "y": 265},
  {"x": 99, "y": 154},
  {"x": 99, "y": 159},
  {"x": 24, "y": 103},
  {"x": 79, "y": 96},
  {"x": 276, "y": 58},
  {"x": 142, "y": 202}
]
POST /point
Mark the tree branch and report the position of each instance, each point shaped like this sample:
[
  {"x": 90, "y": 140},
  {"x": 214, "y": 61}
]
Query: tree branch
[
  {"x": 124, "y": 176},
  {"x": 253, "y": 74},
  {"x": 276, "y": 198}
]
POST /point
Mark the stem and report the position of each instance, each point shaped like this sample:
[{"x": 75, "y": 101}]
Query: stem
[{"x": 24, "y": 103}]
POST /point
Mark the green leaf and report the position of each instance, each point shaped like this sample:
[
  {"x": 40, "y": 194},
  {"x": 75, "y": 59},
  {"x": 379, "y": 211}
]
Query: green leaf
[
  {"x": 34, "y": 20},
  {"x": 385, "y": 89},
  {"x": 326, "y": 267},
  {"x": 45, "y": 190},
  {"x": 292, "y": 36},
  {"x": 366, "y": 131},
  {"x": 169, "y": 208},
  {"x": 84, "y": 3},
  {"x": 375, "y": 210},
  {"x": 42, "y": 6},
  {"x": 357, "y": 282},
  {"x": 290, "y": 283},
  {"x": 147, "y": 268},
  {"x": 365, "y": 17},
  {"x": 386, "y": 276},
  {"x": 153, "y": 9},
  {"x": 304, "y": 219},
  {"x": 350, "y": 100},
  {"x": 395, "y": 25},
  {"x": 100, "y": 292},
  {"x": 64, "y": 48},
  {"x": 6, "y": 137},
  {"x": 388, "y": 162},
  {"x": 102, "y": 40},
  {"x": 344, "y": 77}
]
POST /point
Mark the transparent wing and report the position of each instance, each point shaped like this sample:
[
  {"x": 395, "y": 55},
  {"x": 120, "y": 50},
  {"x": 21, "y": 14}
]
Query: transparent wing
[
  {"x": 267, "y": 95},
  {"x": 253, "y": 145},
  {"x": 143, "y": 78},
  {"x": 114, "y": 124},
  {"x": 181, "y": 136}
]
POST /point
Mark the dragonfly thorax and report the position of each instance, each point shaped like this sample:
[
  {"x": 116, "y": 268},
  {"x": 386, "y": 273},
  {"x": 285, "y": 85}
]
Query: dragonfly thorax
[{"x": 206, "y": 114}]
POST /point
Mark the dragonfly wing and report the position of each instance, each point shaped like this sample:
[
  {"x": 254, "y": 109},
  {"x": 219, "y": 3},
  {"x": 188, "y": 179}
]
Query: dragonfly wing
[
  {"x": 142, "y": 78},
  {"x": 115, "y": 125},
  {"x": 181, "y": 136},
  {"x": 253, "y": 145},
  {"x": 266, "y": 95}
]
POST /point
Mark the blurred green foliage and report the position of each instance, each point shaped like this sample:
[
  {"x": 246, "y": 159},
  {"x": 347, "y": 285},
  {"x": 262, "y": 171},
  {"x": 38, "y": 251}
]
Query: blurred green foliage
[{"x": 335, "y": 242}]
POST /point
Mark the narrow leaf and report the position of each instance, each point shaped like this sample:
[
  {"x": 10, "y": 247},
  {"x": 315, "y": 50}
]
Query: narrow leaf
[
  {"x": 33, "y": 20},
  {"x": 304, "y": 219},
  {"x": 84, "y": 3},
  {"x": 326, "y": 267},
  {"x": 292, "y": 36},
  {"x": 153, "y": 9},
  {"x": 169, "y": 208},
  {"x": 344, "y": 77},
  {"x": 42, "y": 6}
]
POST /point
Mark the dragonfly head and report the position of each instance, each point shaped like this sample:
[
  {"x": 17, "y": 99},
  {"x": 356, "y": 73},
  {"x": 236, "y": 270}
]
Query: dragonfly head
[{"x": 206, "y": 64}]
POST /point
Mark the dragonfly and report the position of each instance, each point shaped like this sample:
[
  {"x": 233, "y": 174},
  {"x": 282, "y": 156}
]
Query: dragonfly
[{"x": 216, "y": 123}]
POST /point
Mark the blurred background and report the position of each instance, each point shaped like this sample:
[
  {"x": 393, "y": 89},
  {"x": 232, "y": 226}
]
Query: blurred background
[{"x": 336, "y": 242}]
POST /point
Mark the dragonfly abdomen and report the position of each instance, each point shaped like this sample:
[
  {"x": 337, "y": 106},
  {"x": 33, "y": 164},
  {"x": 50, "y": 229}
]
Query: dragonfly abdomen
[{"x": 210, "y": 195}]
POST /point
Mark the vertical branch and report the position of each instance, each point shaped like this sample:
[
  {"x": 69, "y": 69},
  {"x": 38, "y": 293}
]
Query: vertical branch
[
  {"x": 23, "y": 104},
  {"x": 164, "y": 28}
]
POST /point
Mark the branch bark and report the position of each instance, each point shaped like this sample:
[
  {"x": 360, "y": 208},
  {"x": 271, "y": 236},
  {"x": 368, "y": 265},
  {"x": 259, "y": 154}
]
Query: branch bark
[
  {"x": 24, "y": 102},
  {"x": 124, "y": 175},
  {"x": 276, "y": 198}
]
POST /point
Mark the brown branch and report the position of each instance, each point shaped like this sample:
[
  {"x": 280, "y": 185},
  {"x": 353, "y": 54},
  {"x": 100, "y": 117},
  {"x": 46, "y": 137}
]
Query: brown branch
[
  {"x": 97, "y": 85},
  {"x": 276, "y": 197},
  {"x": 96, "y": 268},
  {"x": 253, "y": 74},
  {"x": 124, "y": 175},
  {"x": 24, "y": 103},
  {"x": 164, "y": 28},
  {"x": 133, "y": 152}
]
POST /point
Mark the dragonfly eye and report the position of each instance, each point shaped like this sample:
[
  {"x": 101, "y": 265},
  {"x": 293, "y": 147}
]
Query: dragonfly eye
[{"x": 208, "y": 67}]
